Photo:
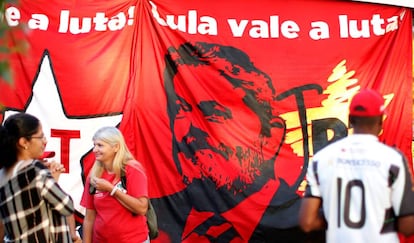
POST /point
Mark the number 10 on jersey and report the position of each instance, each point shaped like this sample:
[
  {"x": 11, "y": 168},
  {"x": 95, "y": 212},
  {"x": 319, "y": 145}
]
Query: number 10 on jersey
[{"x": 353, "y": 191}]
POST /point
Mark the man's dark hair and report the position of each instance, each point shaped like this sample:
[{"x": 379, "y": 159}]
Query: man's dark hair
[{"x": 359, "y": 121}]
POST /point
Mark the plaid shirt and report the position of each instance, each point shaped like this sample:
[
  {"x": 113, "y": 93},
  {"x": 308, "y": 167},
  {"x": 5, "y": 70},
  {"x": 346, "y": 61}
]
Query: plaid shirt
[{"x": 33, "y": 207}]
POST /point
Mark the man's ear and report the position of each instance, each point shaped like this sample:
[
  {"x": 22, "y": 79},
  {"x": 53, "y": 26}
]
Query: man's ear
[
  {"x": 381, "y": 120},
  {"x": 380, "y": 125},
  {"x": 350, "y": 122}
]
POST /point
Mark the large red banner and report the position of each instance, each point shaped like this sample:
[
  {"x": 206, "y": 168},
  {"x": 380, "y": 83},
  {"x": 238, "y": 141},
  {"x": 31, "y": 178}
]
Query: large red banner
[{"x": 224, "y": 102}]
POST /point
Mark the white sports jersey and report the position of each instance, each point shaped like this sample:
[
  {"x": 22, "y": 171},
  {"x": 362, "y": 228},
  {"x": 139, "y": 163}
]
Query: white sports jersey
[{"x": 363, "y": 184}]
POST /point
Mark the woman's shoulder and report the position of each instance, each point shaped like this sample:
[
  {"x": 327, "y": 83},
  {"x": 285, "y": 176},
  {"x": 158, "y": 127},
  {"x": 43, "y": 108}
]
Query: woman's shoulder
[
  {"x": 3, "y": 177},
  {"x": 38, "y": 165},
  {"x": 29, "y": 171},
  {"x": 135, "y": 165},
  {"x": 40, "y": 169}
]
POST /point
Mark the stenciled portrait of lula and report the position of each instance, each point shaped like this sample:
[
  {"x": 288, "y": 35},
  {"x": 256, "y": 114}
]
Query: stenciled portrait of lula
[{"x": 227, "y": 136}]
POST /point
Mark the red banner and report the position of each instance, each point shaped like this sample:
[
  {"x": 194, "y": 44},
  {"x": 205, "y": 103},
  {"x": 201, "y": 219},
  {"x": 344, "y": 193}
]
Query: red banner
[{"x": 224, "y": 102}]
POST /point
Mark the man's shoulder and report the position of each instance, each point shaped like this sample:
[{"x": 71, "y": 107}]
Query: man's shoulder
[
  {"x": 389, "y": 151},
  {"x": 331, "y": 147}
]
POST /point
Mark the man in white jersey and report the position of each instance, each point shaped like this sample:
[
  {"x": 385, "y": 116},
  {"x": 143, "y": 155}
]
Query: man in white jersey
[{"x": 358, "y": 188}]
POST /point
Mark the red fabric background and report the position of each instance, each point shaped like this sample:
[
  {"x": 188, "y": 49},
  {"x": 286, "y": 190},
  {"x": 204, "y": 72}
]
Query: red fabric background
[{"x": 121, "y": 71}]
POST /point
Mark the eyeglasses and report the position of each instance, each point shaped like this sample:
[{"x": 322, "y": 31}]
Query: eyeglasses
[{"x": 39, "y": 137}]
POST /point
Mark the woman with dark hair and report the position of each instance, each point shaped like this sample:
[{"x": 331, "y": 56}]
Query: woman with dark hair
[{"x": 33, "y": 207}]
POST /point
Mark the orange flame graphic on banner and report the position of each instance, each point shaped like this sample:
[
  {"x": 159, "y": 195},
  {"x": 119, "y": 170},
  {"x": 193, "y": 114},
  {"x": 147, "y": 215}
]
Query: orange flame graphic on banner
[{"x": 343, "y": 86}]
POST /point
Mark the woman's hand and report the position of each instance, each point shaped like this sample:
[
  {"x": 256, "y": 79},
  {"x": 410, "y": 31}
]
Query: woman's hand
[
  {"x": 101, "y": 184},
  {"x": 76, "y": 239},
  {"x": 55, "y": 168}
]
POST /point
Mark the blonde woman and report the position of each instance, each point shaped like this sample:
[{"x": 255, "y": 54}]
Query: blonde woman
[{"x": 114, "y": 213}]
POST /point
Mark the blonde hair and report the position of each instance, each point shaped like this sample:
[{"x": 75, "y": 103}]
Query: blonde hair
[{"x": 112, "y": 136}]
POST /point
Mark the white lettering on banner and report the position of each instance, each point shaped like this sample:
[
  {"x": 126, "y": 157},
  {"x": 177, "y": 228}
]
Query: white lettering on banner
[
  {"x": 191, "y": 24},
  {"x": 100, "y": 22},
  {"x": 349, "y": 28},
  {"x": 319, "y": 31},
  {"x": 12, "y": 16},
  {"x": 262, "y": 29},
  {"x": 38, "y": 21}
]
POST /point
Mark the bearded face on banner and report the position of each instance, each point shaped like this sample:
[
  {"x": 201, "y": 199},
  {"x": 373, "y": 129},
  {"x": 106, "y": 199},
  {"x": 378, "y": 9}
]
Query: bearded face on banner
[{"x": 226, "y": 136}]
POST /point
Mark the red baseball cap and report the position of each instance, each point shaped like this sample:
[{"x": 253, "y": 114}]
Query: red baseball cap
[
  {"x": 47, "y": 154},
  {"x": 367, "y": 103}
]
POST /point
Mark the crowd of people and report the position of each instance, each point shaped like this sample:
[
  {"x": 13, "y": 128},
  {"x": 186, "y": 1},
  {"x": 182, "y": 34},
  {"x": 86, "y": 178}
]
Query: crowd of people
[{"x": 358, "y": 188}]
